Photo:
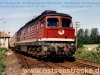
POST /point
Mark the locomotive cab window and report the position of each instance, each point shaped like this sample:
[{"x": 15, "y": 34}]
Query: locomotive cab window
[
  {"x": 52, "y": 22},
  {"x": 66, "y": 22}
]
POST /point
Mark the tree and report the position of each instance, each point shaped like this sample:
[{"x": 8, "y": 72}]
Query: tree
[
  {"x": 94, "y": 35},
  {"x": 86, "y": 33},
  {"x": 80, "y": 36},
  {"x": 86, "y": 36},
  {"x": 98, "y": 40}
]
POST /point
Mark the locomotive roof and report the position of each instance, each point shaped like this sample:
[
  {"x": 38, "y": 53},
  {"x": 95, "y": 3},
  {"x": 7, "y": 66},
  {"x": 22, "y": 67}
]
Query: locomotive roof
[
  {"x": 48, "y": 12},
  {"x": 45, "y": 13}
]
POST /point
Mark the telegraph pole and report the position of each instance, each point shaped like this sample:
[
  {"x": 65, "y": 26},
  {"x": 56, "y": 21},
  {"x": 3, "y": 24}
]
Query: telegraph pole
[
  {"x": 8, "y": 40},
  {"x": 0, "y": 32},
  {"x": 77, "y": 24},
  {"x": 4, "y": 36},
  {"x": 0, "y": 38}
]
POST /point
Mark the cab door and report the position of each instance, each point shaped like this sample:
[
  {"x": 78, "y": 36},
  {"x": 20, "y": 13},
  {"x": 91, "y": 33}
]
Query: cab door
[{"x": 41, "y": 29}]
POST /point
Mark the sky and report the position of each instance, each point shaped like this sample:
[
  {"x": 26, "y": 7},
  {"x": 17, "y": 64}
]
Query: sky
[{"x": 16, "y": 13}]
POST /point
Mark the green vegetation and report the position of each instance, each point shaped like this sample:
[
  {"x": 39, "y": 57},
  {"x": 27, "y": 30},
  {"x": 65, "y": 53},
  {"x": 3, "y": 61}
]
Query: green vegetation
[
  {"x": 93, "y": 56},
  {"x": 87, "y": 41},
  {"x": 98, "y": 48},
  {"x": 2, "y": 59},
  {"x": 88, "y": 36}
]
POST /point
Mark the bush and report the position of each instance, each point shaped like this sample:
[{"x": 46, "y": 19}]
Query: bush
[
  {"x": 88, "y": 55},
  {"x": 1, "y": 67},
  {"x": 80, "y": 46},
  {"x": 3, "y": 50},
  {"x": 2, "y": 59},
  {"x": 98, "y": 48}
]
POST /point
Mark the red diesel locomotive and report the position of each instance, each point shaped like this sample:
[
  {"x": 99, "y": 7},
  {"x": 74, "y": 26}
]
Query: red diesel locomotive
[{"x": 49, "y": 35}]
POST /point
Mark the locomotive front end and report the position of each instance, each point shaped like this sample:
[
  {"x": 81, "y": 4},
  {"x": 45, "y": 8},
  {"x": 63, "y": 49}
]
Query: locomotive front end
[{"x": 59, "y": 36}]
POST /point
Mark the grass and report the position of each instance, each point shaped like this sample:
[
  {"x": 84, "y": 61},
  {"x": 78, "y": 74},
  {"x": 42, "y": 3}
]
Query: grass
[
  {"x": 93, "y": 56},
  {"x": 2, "y": 59}
]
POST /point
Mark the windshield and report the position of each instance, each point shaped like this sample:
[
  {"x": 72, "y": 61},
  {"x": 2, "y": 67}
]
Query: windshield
[
  {"x": 52, "y": 22},
  {"x": 66, "y": 22}
]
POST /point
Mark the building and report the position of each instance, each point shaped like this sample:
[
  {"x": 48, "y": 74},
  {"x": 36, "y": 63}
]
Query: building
[{"x": 4, "y": 39}]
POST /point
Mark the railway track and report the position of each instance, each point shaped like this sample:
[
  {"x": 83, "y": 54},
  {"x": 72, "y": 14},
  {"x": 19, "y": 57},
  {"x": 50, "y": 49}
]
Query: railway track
[
  {"x": 65, "y": 67},
  {"x": 93, "y": 69},
  {"x": 27, "y": 63},
  {"x": 58, "y": 68},
  {"x": 94, "y": 64},
  {"x": 77, "y": 66},
  {"x": 24, "y": 64}
]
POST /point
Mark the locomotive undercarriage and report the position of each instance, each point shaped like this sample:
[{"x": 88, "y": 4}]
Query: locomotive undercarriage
[{"x": 47, "y": 50}]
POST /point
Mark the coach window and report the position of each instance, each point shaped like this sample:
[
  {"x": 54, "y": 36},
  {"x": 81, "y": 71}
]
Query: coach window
[
  {"x": 42, "y": 24},
  {"x": 52, "y": 22},
  {"x": 66, "y": 22}
]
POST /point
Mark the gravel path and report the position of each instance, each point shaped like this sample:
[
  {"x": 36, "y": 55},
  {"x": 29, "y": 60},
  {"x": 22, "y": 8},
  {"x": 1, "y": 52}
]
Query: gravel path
[{"x": 13, "y": 66}]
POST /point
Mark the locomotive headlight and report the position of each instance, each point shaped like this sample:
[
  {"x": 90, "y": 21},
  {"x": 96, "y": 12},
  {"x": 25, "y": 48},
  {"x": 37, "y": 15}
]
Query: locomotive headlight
[{"x": 61, "y": 31}]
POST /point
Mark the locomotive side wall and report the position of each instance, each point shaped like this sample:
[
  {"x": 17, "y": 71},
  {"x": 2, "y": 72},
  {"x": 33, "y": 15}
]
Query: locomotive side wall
[{"x": 28, "y": 33}]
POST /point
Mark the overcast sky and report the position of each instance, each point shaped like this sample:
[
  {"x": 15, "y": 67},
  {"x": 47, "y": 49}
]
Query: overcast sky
[{"x": 16, "y": 13}]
